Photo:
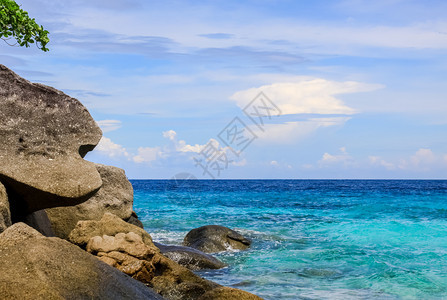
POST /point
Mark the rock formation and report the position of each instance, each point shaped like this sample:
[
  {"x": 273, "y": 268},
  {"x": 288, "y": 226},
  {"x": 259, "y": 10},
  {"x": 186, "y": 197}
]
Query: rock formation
[
  {"x": 115, "y": 196},
  {"x": 44, "y": 136},
  {"x": 37, "y": 267},
  {"x": 215, "y": 238},
  {"x": 108, "y": 225}
]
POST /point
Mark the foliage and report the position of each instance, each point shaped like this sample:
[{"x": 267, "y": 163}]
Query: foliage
[{"x": 15, "y": 23}]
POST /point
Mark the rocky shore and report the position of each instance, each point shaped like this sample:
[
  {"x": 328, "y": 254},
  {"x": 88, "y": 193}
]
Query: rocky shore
[{"x": 67, "y": 226}]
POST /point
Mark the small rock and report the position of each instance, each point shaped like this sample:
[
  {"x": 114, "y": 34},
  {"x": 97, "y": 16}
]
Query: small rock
[{"x": 215, "y": 238}]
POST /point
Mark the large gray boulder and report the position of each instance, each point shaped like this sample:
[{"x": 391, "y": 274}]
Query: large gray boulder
[
  {"x": 44, "y": 136},
  {"x": 190, "y": 258},
  {"x": 215, "y": 238},
  {"x": 37, "y": 267},
  {"x": 5, "y": 214},
  {"x": 115, "y": 196}
]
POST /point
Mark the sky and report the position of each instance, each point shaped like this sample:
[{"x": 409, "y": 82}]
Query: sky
[{"x": 252, "y": 89}]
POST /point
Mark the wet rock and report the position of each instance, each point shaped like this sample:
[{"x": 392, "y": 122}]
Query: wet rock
[
  {"x": 215, "y": 238},
  {"x": 134, "y": 220},
  {"x": 190, "y": 258},
  {"x": 44, "y": 135},
  {"x": 115, "y": 196}
]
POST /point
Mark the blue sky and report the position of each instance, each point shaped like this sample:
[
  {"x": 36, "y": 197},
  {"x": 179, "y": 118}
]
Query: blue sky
[{"x": 360, "y": 86}]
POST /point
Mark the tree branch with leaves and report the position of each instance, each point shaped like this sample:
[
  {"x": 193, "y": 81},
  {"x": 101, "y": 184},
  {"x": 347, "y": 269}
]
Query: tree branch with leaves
[{"x": 15, "y": 23}]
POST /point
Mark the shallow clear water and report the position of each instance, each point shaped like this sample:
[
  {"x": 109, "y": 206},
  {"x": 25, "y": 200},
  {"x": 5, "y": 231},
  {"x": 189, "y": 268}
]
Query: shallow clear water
[{"x": 313, "y": 239}]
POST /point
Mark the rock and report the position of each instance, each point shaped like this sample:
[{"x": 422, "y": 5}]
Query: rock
[
  {"x": 115, "y": 196},
  {"x": 190, "y": 258},
  {"x": 16, "y": 234},
  {"x": 226, "y": 293},
  {"x": 52, "y": 268},
  {"x": 45, "y": 134},
  {"x": 126, "y": 252},
  {"x": 129, "y": 254},
  {"x": 175, "y": 282},
  {"x": 215, "y": 238},
  {"x": 5, "y": 214},
  {"x": 108, "y": 225},
  {"x": 39, "y": 221},
  {"x": 134, "y": 220}
]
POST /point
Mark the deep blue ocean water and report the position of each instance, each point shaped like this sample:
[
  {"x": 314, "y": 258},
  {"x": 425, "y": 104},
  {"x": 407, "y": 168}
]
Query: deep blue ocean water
[{"x": 313, "y": 239}]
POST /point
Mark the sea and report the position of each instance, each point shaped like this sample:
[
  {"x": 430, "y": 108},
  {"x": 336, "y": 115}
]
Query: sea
[{"x": 312, "y": 239}]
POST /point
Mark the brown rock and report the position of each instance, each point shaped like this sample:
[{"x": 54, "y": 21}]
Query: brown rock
[
  {"x": 5, "y": 214},
  {"x": 115, "y": 196},
  {"x": 17, "y": 233},
  {"x": 44, "y": 135},
  {"x": 52, "y": 268},
  {"x": 226, "y": 293},
  {"x": 129, "y": 243},
  {"x": 215, "y": 238},
  {"x": 108, "y": 225}
]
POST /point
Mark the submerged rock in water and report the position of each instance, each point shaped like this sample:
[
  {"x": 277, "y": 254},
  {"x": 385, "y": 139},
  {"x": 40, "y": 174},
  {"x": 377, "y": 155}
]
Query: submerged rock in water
[
  {"x": 45, "y": 134},
  {"x": 37, "y": 267},
  {"x": 190, "y": 258},
  {"x": 215, "y": 238},
  {"x": 115, "y": 196}
]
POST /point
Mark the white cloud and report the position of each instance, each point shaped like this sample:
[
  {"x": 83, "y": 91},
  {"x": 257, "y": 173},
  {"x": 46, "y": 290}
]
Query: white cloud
[
  {"x": 147, "y": 154},
  {"x": 109, "y": 148},
  {"x": 274, "y": 163},
  {"x": 170, "y": 134},
  {"x": 378, "y": 161},
  {"x": 423, "y": 160},
  {"x": 342, "y": 158},
  {"x": 179, "y": 150},
  {"x": 310, "y": 96},
  {"x": 109, "y": 125}
]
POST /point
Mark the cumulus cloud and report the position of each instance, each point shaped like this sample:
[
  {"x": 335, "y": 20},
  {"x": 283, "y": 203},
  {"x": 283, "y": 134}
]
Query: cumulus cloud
[
  {"x": 306, "y": 96},
  {"x": 423, "y": 159},
  {"x": 147, "y": 154},
  {"x": 109, "y": 148},
  {"x": 109, "y": 125},
  {"x": 342, "y": 158},
  {"x": 180, "y": 150}
]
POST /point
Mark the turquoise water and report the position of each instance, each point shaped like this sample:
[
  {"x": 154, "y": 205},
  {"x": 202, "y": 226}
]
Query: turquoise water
[{"x": 313, "y": 239}]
